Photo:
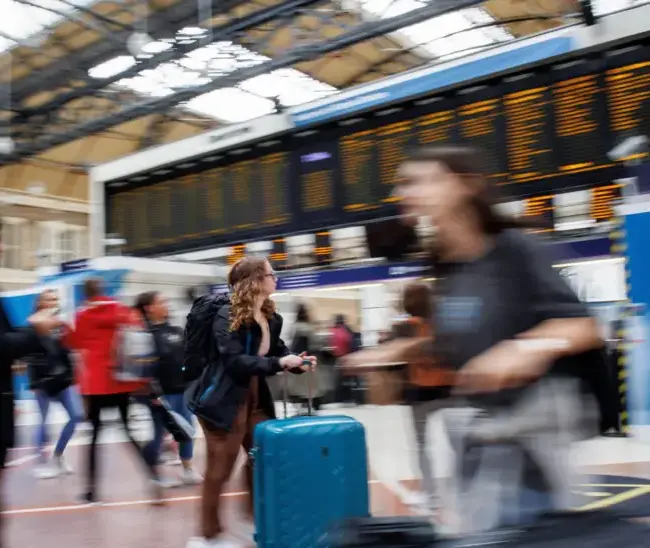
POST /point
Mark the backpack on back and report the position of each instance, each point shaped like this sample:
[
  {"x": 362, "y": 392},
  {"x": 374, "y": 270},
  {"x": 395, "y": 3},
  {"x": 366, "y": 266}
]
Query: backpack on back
[{"x": 199, "y": 347}]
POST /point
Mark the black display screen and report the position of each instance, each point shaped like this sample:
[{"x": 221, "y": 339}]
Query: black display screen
[{"x": 541, "y": 132}]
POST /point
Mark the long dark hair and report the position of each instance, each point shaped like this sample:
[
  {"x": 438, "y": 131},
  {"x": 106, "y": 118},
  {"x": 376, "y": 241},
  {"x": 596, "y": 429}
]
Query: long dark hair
[
  {"x": 302, "y": 314},
  {"x": 144, "y": 300},
  {"x": 467, "y": 161}
]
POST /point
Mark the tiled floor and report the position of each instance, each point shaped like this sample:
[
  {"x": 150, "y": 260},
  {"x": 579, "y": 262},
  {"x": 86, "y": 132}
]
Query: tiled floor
[{"x": 44, "y": 513}]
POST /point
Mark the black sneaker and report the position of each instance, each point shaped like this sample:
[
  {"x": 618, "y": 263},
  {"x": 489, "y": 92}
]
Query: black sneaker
[{"x": 89, "y": 498}]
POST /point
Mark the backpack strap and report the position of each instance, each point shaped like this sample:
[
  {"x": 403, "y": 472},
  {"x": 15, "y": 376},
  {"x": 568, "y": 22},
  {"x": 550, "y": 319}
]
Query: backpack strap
[{"x": 249, "y": 342}]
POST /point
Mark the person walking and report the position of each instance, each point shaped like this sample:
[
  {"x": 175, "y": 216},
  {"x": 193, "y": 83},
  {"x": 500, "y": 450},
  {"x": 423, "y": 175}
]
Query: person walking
[{"x": 51, "y": 378}]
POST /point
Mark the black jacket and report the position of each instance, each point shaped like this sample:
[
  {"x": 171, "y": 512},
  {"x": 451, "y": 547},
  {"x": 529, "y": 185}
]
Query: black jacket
[
  {"x": 13, "y": 346},
  {"x": 169, "y": 346},
  {"x": 234, "y": 368},
  {"x": 54, "y": 360}
]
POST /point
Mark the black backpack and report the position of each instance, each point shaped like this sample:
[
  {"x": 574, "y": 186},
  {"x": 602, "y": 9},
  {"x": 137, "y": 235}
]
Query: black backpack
[{"x": 199, "y": 347}]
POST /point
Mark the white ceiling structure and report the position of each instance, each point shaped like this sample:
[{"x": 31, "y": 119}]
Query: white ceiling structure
[{"x": 442, "y": 38}]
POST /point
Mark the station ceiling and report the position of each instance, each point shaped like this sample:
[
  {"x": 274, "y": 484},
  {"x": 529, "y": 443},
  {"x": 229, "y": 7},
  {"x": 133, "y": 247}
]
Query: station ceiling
[{"x": 86, "y": 81}]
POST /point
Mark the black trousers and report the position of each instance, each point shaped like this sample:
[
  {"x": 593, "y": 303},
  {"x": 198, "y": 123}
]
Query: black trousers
[
  {"x": 3, "y": 458},
  {"x": 94, "y": 406}
]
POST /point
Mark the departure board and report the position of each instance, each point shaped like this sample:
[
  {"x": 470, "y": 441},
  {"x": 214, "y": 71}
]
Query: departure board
[
  {"x": 358, "y": 165},
  {"x": 543, "y": 130},
  {"x": 274, "y": 183},
  {"x": 192, "y": 206},
  {"x": 628, "y": 94},
  {"x": 316, "y": 169},
  {"x": 528, "y": 134},
  {"x": 141, "y": 224},
  {"x": 214, "y": 184},
  {"x": 244, "y": 202},
  {"x": 437, "y": 128},
  {"x": 579, "y": 131},
  {"x": 541, "y": 207},
  {"x": 480, "y": 125},
  {"x": 392, "y": 143},
  {"x": 603, "y": 201},
  {"x": 120, "y": 216}
]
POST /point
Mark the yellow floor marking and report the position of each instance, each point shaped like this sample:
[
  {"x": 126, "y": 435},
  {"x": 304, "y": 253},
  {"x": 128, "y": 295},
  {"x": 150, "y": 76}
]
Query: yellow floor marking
[{"x": 617, "y": 499}]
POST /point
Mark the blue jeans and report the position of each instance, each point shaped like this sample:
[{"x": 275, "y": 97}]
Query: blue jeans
[
  {"x": 186, "y": 449},
  {"x": 71, "y": 402}
]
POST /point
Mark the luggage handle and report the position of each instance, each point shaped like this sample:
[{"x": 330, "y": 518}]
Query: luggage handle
[{"x": 310, "y": 383}]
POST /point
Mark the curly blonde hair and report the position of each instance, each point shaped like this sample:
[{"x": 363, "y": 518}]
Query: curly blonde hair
[{"x": 245, "y": 280}]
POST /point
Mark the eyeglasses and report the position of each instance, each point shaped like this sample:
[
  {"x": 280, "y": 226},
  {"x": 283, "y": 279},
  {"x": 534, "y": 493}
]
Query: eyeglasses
[{"x": 272, "y": 275}]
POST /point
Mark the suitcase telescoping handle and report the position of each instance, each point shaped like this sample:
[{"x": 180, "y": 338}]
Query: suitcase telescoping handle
[{"x": 310, "y": 392}]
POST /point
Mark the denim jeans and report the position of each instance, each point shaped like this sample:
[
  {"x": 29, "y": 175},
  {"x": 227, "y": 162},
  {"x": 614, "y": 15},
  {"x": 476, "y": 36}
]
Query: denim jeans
[
  {"x": 69, "y": 399},
  {"x": 186, "y": 449}
]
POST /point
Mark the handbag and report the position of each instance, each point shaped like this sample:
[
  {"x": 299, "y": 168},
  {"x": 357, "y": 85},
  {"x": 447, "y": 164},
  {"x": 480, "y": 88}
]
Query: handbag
[
  {"x": 60, "y": 373},
  {"x": 136, "y": 354},
  {"x": 180, "y": 429}
]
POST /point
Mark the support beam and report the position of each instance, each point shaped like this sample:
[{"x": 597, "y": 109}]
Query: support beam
[
  {"x": 227, "y": 31},
  {"x": 159, "y": 25},
  {"x": 587, "y": 10},
  {"x": 364, "y": 31}
]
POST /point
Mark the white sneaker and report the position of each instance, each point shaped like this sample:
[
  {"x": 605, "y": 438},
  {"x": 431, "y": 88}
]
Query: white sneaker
[
  {"x": 190, "y": 477},
  {"x": 46, "y": 471},
  {"x": 197, "y": 542},
  {"x": 62, "y": 465},
  {"x": 244, "y": 529}
]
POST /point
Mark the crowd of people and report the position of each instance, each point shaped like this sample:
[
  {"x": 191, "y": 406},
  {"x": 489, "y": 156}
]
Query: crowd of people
[{"x": 508, "y": 339}]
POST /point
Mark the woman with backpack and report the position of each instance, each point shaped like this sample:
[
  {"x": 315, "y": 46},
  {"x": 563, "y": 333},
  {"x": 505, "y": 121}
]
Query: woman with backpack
[
  {"x": 51, "y": 378},
  {"x": 153, "y": 307},
  {"x": 95, "y": 337},
  {"x": 246, "y": 333},
  {"x": 517, "y": 335}
]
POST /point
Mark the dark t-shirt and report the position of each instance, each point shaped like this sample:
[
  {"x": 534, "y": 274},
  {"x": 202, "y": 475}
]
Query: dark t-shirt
[{"x": 509, "y": 290}]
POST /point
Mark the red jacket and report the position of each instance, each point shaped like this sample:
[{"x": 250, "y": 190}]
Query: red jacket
[{"x": 96, "y": 326}]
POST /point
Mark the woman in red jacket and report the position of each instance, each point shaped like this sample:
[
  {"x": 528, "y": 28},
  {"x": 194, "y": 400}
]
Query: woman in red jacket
[{"x": 96, "y": 326}]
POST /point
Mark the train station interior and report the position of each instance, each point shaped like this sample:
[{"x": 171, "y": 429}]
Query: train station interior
[{"x": 154, "y": 144}]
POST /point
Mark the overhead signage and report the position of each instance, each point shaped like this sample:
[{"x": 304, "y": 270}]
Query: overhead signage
[
  {"x": 414, "y": 84},
  {"x": 191, "y": 147},
  {"x": 75, "y": 266}
]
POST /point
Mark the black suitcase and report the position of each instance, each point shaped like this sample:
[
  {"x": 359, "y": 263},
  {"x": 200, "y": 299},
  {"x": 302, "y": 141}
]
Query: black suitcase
[
  {"x": 601, "y": 529},
  {"x": 389, "y": 532}
]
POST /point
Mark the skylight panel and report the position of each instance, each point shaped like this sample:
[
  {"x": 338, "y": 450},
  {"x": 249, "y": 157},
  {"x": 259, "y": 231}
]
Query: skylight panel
[
  {"x": 290, "y": 86},
  {"x": 445, "y": 36},
  {"x": 252, "y": 98},
  {"x": 231, "y": 105},
  {"x": 605, "y": 7},
  {"x": 112, "y": 67},
  {"x": 21, "y": 21}
]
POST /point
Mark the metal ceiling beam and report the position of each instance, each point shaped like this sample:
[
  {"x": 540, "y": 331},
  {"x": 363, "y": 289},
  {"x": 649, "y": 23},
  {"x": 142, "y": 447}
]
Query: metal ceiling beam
[
  {"x": 587, "y": 11},
  {"x": 362, "y": 32},
  {"x": 228, "y": 31},
  {"x": 159, "y": 25}
]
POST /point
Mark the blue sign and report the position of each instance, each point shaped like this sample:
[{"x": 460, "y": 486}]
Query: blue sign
[
  {"x": 75, "y": 266},
  {"x": 561, "y": 251},
  {"x": 216, "y": 289},
  {"x": 430, "y": 80},
  {"x": 580, "y": 249},
  {"x": 353, "y": 275}
]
